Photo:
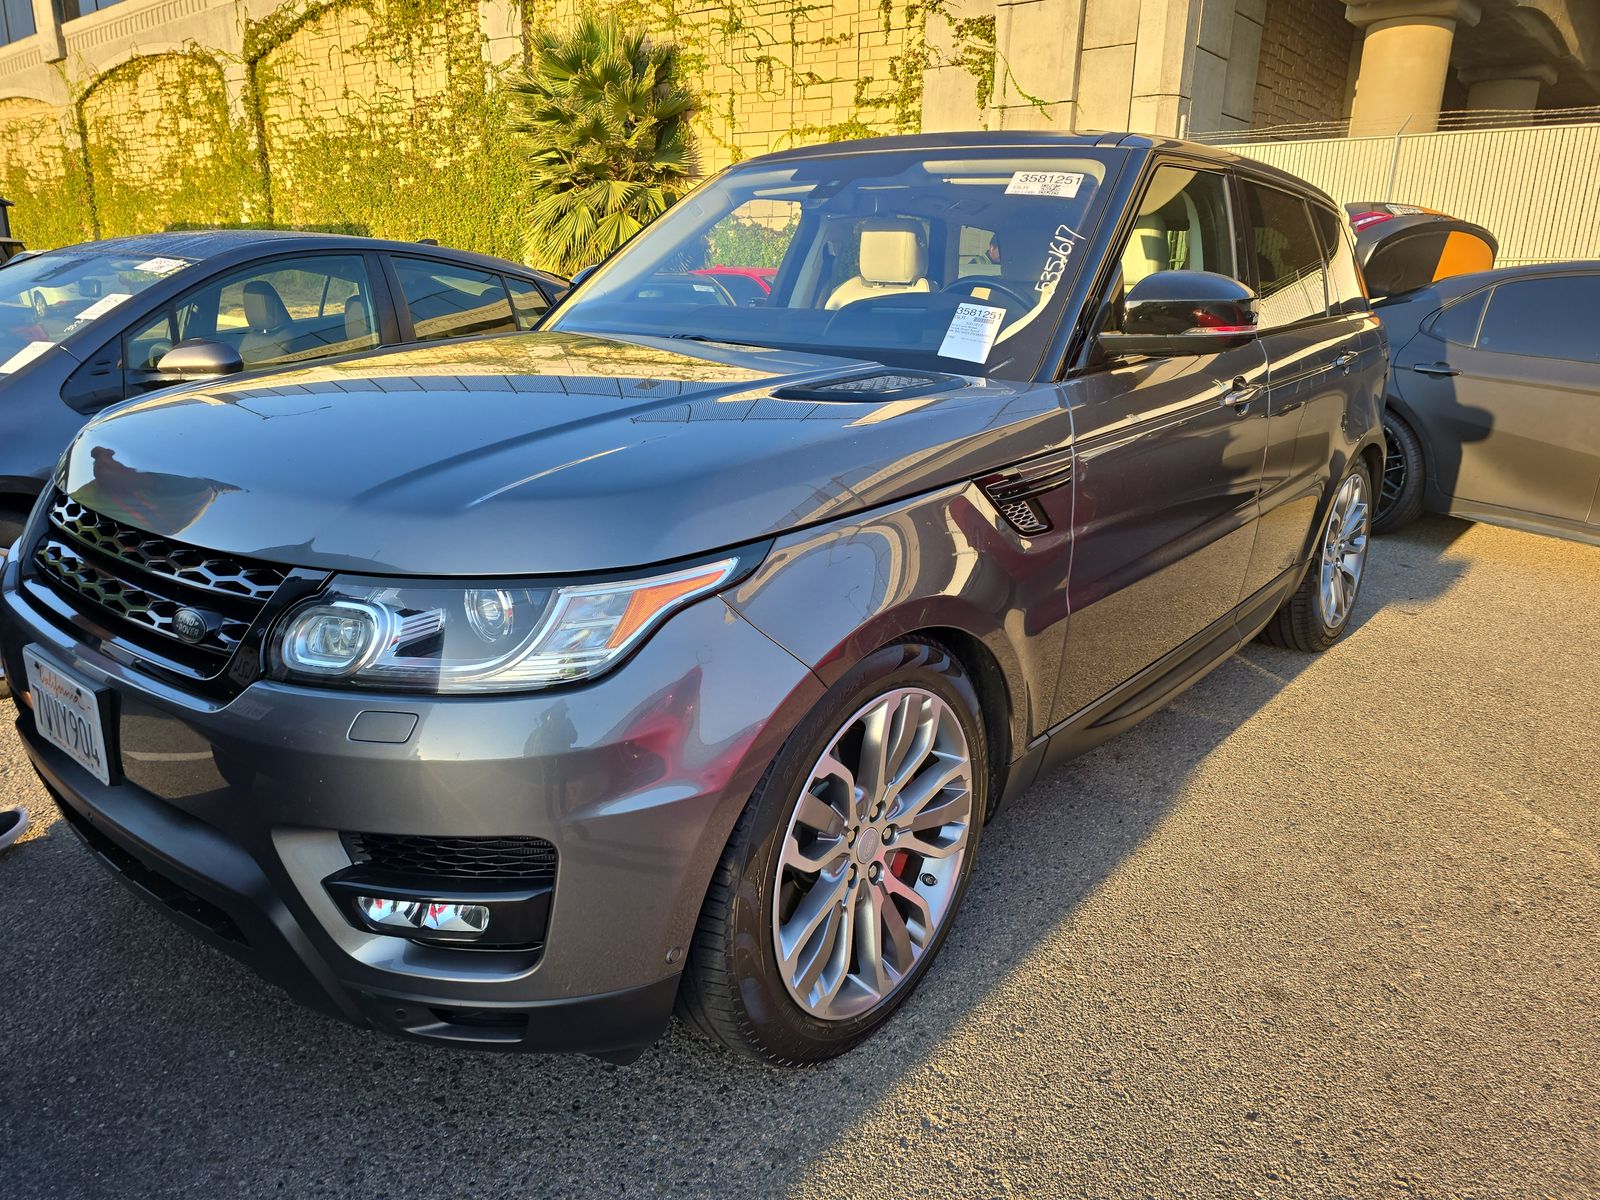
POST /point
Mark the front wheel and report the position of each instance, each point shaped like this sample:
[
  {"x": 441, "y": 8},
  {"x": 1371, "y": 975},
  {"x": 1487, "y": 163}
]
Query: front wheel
[
  {"x": 1321, "y": 608},
  {"x": 845, "y": 871}
]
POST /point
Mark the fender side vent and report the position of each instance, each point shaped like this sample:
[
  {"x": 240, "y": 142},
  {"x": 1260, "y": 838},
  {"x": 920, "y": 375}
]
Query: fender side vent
[{"x": 1015, "y": 490}]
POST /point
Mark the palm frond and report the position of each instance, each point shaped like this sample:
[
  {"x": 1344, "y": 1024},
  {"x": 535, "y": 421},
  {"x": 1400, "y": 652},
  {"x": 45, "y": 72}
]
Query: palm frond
[{"x": 609, "y": 143}]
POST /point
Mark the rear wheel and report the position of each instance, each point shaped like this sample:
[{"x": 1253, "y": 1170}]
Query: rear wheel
[
  {"x": 847, "y": 867},
  {"x": 1400, "y": 489},
  {"x": 1322, "y": 607}
]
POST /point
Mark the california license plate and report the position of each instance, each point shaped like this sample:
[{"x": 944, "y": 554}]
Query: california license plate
[{"x": 67, "y": 714}]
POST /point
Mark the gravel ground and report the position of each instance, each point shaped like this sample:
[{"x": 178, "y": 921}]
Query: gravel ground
[{"x": 1324, "y": 927}]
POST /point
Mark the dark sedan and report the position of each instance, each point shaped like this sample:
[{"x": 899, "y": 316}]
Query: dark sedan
[
  {"x": 87, "y": 326},
  {"x": 1494, "y": 401}
]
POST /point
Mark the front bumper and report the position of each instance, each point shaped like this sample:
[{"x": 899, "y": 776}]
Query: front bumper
[{"x": 227, "y": 817}]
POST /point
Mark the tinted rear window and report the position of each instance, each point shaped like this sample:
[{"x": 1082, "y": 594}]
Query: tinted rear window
[
  {"x": 1459, "y": 323},
  {"x": 448, "y": 301},
  {"x": 1546, "y": 318}
]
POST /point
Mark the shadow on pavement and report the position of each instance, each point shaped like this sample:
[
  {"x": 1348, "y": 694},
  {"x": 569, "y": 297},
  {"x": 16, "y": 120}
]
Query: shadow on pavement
[{"x": 140, "y": 1063}]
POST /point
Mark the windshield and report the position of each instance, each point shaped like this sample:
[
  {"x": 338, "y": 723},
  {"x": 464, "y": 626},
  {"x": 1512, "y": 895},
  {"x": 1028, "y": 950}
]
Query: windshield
[
  {"x": 44, "y": 298},
  {"x": 954, "y": 261}
]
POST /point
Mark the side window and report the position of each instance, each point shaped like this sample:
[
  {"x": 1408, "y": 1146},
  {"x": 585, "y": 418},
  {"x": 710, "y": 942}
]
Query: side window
[
  {"x": 285, "y": 311},
  {"x": 1459, "y": 323},
  {"x": 451, "y": 301},
  {"x": 979, "y": 252},
  {"x": 1291, "y": 273},
  {"x": 1547, "y": 318},
  {"x": 1182, "y": 226},
  {"x": 527, "y": 300},
  {"x": 142, "y": 348},
  {"x": 1347, "y": 292}
]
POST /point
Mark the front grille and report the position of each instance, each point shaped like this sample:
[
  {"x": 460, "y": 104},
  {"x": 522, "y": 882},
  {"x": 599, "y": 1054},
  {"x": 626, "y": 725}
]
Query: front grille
[
  {"x": 137, "y": 583},
  {"x": 527, "y": 860}
]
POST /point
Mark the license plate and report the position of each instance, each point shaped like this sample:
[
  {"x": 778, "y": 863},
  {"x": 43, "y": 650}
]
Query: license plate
[{"x": 67, "y": 714}]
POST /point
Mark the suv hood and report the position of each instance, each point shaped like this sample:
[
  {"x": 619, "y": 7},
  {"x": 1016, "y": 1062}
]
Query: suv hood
[{"x": 548, "y": 453}]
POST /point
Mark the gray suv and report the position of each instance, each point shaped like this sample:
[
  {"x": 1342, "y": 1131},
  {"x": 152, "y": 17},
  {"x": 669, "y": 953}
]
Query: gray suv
[{"x": 511, "y": 693}]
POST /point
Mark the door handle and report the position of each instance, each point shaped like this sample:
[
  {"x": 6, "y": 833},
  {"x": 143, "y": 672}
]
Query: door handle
[
  {"x": 1346, "y": 360},
  {"x": 1239, "y": 394},
  {"x": 1435, "y": 369}
]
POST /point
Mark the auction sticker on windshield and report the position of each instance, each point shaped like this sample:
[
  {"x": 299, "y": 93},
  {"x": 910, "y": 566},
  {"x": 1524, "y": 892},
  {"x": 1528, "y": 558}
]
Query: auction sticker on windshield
[
  {"x": 1045, "y": 183},
  {"x": 24, "y": 356},
  {"x": 67, "y": 715},
  {"x": 102, "y": 306},
  {"x": 972, "y": 332},
  {"x": 162, "y": 266}
]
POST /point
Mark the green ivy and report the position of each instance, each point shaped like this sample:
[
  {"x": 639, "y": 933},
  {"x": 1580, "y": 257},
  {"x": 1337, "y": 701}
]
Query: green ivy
[{"x": 445, "y": 167}]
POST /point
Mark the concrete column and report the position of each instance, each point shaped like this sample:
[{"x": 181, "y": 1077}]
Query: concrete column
[
  {"x": 47, "y": 23},
  {"x": 1405, "y": 62},
  {"x": 950, "y": 89},
  {"x": 1514, "y": 88}
]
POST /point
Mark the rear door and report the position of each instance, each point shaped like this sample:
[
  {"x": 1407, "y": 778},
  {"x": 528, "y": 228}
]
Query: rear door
[
  {"x": 1168, "y": 464},
  {"x": 1322, "y": 348},
  {"x": 1508, "y": 385}
]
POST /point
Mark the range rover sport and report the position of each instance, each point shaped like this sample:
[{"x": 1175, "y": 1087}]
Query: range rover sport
[{"x": 510, "y": 694}]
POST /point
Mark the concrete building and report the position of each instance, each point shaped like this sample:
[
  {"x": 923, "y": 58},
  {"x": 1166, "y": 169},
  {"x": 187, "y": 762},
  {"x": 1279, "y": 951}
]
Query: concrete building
[{"x": 150, "y": 111}]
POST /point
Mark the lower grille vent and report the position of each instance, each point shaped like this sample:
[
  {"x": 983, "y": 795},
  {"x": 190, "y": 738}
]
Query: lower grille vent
[{"x": 524, "y": 859}]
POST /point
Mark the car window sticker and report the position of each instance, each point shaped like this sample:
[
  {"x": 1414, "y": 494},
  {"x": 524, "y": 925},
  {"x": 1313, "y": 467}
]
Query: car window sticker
[
  {"x": 24, "y": 356},
  {"x": 101, "y": 306},
  {"x": 1062, "y": 184},
  {"x": 972, "y": 332},
  {"x": 161, "y": 266}
]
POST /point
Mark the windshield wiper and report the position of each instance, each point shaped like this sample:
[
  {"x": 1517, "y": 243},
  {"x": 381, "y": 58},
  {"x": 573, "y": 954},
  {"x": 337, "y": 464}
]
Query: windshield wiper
[{"x": 705, "y": 337}]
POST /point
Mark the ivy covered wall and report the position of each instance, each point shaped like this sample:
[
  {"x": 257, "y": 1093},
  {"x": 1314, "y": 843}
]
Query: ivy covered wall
[{"x": 388, "y": 117}]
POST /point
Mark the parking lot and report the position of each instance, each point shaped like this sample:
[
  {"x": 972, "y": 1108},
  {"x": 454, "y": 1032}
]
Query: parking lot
[{"x": 1323, "y": 927}]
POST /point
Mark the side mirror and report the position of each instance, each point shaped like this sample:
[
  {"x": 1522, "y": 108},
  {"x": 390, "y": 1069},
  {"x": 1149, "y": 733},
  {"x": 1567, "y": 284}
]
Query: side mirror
[
  {"x": 581, "y": 274},
  {"x": 1173, "y": 313},
  {"x": 199, "y": 360}
]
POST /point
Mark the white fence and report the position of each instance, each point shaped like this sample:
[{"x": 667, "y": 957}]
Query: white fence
[{"x": 1536, "y": 188}]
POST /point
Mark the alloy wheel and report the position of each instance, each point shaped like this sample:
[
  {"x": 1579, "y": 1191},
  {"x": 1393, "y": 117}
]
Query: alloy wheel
[
  {"x": 1344, "y": 550},
  {"x": 872, "y": 857},
  {"x": 1394, "y": 472}
]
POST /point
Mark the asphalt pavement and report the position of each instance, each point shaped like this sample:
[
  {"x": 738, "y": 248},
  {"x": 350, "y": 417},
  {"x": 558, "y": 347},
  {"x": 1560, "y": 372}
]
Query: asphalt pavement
[{"x": 1324, "y": 927}]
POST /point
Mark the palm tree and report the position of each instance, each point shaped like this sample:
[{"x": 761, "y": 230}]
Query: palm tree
[{"x": 609, "y": 145}]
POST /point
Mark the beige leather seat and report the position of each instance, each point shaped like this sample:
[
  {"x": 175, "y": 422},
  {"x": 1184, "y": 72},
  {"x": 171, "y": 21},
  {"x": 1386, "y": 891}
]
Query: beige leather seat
[
  {"x": 893, "y": 260},
  {"x": 1147, "y": 252},
  {"x": 267, "y": 320}
]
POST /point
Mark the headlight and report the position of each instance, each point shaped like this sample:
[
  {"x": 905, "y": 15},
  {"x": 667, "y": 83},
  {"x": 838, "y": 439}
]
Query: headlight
[{"x": 497, "y": 637}]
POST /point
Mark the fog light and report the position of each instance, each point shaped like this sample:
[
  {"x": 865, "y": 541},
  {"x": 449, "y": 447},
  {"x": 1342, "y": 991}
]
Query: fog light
[
  {"x": 382, "y": 910},
  {"x": 455, "y": 918},
  {"x": 431, "y": 915}
]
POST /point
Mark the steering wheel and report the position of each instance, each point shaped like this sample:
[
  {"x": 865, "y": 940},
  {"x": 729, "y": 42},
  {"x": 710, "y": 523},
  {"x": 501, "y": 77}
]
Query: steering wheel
[{"x": 971, "y": 283}]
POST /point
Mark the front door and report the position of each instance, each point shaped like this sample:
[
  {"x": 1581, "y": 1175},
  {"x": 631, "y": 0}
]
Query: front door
[
  {"x": 1168, "y": 466},
  {"x": 1323, "y": 352},
  {"x": 1510, "y": 394}
]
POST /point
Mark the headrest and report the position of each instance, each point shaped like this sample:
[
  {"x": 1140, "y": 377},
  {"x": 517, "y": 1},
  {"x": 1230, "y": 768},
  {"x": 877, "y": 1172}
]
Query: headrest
[
  {"x": 892, "y": 251},
  {"x": 356, "y": 323},
  {"x": 1148, "y": 250},
  {"x": 263, "y": 307}
]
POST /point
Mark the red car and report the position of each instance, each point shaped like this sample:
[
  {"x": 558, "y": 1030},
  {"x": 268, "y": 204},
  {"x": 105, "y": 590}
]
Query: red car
[{"x": 747, "y": 285}]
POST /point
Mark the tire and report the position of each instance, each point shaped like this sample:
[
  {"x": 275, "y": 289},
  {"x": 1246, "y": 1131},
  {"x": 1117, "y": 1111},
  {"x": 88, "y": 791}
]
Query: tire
[
  {"x": 736, "y": 988},
  {"x": 1400, "y": 489},
  {"x": 11, "y": 522},
  {"x": 1315, "y": 617}
]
